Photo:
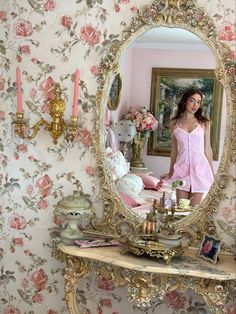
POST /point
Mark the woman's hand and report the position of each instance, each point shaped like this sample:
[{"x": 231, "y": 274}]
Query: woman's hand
[{"x": 165, "y": 176}]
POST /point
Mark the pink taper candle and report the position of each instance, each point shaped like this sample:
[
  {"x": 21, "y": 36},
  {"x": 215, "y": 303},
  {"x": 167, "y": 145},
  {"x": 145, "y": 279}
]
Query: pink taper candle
[
  {"x": 76, "y": 93},
  {"x": 19, "y": 92}
]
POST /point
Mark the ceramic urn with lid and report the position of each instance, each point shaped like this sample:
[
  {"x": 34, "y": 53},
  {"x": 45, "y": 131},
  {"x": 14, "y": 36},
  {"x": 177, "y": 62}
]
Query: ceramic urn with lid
[{"x": 76, "y": 211}]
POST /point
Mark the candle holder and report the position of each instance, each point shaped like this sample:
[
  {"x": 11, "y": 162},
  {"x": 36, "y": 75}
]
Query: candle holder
[{"x": 57, "y": 126}]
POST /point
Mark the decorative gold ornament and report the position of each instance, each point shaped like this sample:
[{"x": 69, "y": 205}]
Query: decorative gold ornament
[
  {"x": 57, "y": 126},
  {"x": 140, "y": 246},
  {"x": 139, "y": 142},
  {"x": 182, "y": 14},
  {"x": 143, "y": 281}
]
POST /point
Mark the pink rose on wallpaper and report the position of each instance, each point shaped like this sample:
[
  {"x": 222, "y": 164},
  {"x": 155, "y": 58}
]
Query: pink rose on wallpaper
[
  {"x": 47, "y": 87},
  {"x": 11, "y": 310},
  {"x": 232, "y": 55},
  {"x": 125, "y": 1},
  {"x": 43, "y": 204},
  {"x": 34, "y": 60},
  {"x": 174, "y": 300},
  {"x": 39, "y": 279},
  {"x": 89, "y": 170},
  {"x": 57, "y": 220},
  {"x": 106, "y": 302},
  {"x": 94, "y": 70},
  {"x": 23, "y": 28},
  {"x": 18, "y": 58},
  {"x": 25, "y": 283},
  {"x": 2, "y": 83},
  {"x": 50, "y": 5},
  {"x": 227, "y": 32},
  {"x": 37, "y": 298},
  {"x": 90, "y": 35},
  {"x": 22, "y": 148},
  {"x": 66, "y": 21},
  {"x": 134, "y": 9},
  {"x": 52, "y": 312},
  {"x": 25, "y": 49},
  {"x": 45, "y": 185},
  {"x": 17, "y": 222},
  {"x": 117, "y": 8},
  {"x": 85, "y": 137},
  {"x": 99, "y": 310},
  {"x": 33, "y": 93},
  {"x": 30, "y": 189},
  {"x": 2, "y": 115},
  {"x": 105, "y": 284},
  {"x": 18, "y": 241},
  {"x": 3, "y": 15}
]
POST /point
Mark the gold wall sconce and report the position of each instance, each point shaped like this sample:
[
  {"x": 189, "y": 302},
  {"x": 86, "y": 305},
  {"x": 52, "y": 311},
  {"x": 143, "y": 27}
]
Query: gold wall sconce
[{"x": 56, "y": 127}]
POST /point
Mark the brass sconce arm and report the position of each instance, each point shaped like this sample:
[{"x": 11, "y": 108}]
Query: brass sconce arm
[{"x": 57, "y": 126}]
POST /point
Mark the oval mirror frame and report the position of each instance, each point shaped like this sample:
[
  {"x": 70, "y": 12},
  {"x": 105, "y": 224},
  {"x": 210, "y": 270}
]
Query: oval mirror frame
[{"x": 118, "y": 220}]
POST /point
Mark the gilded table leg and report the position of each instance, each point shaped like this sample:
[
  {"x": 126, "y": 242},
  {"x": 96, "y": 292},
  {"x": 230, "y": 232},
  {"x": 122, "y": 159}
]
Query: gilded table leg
[{"x": 75, "y": 270}]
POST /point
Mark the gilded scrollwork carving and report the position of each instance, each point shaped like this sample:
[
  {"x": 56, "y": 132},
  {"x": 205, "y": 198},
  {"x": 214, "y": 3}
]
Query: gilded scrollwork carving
[
  {"x": 184, "y": 14},
  {"x": 75, "y": 270},
  {"x": 214, "y": 292},
  {"x": 143, "y": 286},
  {"x": 57, "y": 253}
]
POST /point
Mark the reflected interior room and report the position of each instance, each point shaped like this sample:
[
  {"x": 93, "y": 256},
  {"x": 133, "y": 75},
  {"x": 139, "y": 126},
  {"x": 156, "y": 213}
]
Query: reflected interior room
[
  {"x": 88, "y": 223},
  {"x": 157, "y": 48}
]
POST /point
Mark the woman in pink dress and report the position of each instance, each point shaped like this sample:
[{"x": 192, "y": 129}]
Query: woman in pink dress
[{"x": 191, "y": 153}]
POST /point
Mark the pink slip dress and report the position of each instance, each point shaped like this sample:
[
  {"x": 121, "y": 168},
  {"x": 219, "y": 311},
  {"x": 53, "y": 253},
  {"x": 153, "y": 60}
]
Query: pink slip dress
[{"x": 191, "y": 164}]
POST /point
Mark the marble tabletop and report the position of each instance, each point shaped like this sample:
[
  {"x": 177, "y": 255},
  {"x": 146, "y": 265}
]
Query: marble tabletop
[{"x": 188, "y": 265}]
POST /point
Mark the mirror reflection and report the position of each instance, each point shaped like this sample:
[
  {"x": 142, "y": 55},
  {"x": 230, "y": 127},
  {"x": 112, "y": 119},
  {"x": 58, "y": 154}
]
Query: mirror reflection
[{"x": 137, "y": 174}]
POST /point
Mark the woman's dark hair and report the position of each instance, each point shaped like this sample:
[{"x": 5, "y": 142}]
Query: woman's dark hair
[{"x": 182, "y": 105}]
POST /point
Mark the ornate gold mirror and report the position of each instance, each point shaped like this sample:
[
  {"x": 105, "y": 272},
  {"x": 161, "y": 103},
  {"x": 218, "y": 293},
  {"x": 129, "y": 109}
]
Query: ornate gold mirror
[{"x": 117, "y": 218}]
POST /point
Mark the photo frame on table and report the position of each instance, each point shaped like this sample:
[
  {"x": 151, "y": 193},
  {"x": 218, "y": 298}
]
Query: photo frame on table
[
  {"x": 209, "y": 248},
  {"x": 115, "y": 92},
  {"x": 167, "y": 87}
]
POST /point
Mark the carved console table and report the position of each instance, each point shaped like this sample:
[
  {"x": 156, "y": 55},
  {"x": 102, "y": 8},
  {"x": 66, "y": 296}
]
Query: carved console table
[{"x": 146, "y": 277}]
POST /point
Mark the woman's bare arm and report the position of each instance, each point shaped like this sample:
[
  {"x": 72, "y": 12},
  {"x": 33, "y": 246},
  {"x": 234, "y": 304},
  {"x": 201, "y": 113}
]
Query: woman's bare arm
[
  {"x": 207, "y": 146},
  {"x": 173, "y": 153}
]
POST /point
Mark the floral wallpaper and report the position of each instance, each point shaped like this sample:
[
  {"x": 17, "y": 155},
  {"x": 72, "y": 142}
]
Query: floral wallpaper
[{"x": 49, "y": 40}]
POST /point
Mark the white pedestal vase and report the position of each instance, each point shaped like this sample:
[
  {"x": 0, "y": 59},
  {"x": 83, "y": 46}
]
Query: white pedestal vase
[{"x": 76, "y": 211}]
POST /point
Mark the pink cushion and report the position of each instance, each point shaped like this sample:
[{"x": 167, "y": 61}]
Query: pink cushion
[
  {"x": 130, "y": 202},
  {"x": 150, "y": 182}
]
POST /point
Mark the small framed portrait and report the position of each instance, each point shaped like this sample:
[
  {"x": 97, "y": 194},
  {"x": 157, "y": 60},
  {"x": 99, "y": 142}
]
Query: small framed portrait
[
  {"x": 210, "y": 248},
  {"x": 115, "y": 92}
]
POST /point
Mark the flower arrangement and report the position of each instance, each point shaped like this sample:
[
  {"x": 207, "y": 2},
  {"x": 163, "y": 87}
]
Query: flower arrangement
[{"x": 143, "y": 119}]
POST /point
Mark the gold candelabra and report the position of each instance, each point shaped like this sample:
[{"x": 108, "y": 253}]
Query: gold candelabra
[{"x": 57, "y": 126}]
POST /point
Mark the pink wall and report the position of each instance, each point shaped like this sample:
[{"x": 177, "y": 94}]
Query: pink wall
[{"x": 137, "y": 88}]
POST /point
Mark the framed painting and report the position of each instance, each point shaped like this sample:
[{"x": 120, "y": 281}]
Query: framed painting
[
  {"x": 167, "y": 87},
  {"x": 115, "y": 92}
]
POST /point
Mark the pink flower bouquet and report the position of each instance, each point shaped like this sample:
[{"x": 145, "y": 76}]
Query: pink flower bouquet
[{"x": 143, "y": 119}]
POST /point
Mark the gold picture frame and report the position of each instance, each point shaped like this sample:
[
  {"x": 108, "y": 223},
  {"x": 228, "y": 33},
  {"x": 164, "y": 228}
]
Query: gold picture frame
[
  {"x": 167, "y": 86},
  {"x": 209, "y": 248},
  {"x": 115, "y": 92}
]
